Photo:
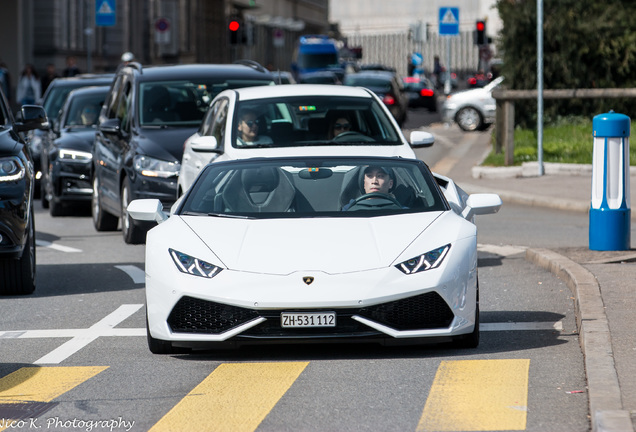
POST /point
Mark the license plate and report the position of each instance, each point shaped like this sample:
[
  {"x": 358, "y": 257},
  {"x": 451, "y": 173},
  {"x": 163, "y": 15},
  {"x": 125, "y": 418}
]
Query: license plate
[{"x": 309, "y": 319}]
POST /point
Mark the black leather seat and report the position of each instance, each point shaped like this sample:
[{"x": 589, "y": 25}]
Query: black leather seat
[{"x": 259, "y": 190}]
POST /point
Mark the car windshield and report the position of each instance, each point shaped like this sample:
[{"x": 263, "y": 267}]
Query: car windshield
[
  {"x": 184, "y": 102},
  {"x": 312, "y": 120},
  {"x": 313, "y": 187},
  {"x": 83, "y": 110}
]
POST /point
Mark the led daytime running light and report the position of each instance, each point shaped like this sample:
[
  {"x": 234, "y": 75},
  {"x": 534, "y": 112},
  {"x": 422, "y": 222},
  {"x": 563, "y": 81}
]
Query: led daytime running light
[
  {"x": 427, "y": 261},
  {"x": 194, "y": 266}
]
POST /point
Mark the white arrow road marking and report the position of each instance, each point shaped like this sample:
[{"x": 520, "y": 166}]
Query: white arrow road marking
[
  {"x": 60, "y": 248},
  {"x": 136, "y": 274},
  {"x": 83, "y": 337}
]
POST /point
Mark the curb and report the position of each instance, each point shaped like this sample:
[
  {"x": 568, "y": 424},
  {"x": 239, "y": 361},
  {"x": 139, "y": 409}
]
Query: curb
[{"x": 604, "y": 396}]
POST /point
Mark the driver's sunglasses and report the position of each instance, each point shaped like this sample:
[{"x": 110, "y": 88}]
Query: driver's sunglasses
[
  {"x": 250, "y": 123},
  {"x": 342, "y": 126}
]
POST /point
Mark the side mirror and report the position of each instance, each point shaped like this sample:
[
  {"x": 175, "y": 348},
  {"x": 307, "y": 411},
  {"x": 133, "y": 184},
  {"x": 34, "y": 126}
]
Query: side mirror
[
  {"x": 32, "y": 117},
  {"x": 111, "y": 126},
  {"x": 147, "y": 210},
  {"x": 205, "y": 144},
  {"x": 481, "y": 204},
  {"x": 422, "y": 139}
]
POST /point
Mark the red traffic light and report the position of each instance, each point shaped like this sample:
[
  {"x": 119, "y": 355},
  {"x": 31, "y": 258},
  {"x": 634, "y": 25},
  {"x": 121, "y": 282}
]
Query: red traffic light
[
  {"x": 481, "y": 26},
  {"x": 234, "y": 25}
]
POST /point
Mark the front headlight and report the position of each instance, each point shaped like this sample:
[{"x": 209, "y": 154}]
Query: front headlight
[
  {"x": 11, "y": 169},
  {"x": 151, "y": 167},
  {"x": 427, "y": 261},
  {"x": 194, "y": 266},
  {"x": 67, "y": 155}
]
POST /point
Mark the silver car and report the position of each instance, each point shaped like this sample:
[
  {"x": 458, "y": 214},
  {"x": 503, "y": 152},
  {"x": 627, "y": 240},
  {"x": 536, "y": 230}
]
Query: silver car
[{"x": 473, "y": 109}]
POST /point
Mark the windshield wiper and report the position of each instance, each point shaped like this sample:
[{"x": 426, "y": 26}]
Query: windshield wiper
[{"x": 231, "y": 216}]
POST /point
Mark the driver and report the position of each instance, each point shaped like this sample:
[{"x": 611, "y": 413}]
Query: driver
[
  {"x": 340, "y": 125},
  {"x": 379, "y": 181}
]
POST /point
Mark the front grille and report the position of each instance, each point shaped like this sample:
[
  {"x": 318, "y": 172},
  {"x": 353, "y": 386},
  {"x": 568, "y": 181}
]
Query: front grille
[
  {"x": 425, "y": 311},
  {"x": 191, "y": 315}
]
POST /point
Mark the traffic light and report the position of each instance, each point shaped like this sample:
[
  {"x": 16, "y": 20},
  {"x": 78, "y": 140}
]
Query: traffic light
[
  {"x": 480, "y": 33},
  {"x": 235, "y": 31}
]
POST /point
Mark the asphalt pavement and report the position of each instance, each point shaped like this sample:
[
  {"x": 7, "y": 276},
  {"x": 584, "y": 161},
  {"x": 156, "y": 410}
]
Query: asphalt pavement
[{"x": 603, "y": 283}]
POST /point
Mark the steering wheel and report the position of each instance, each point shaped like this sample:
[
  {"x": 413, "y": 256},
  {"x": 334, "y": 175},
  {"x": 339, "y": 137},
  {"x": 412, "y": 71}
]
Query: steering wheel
[
  {"x": 376, "y": 195},
  {"x": 352, "y": 136}
]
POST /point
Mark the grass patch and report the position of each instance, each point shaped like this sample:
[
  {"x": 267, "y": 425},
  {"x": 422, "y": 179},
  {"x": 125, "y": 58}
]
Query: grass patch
[{"x": 567, "y": 142}]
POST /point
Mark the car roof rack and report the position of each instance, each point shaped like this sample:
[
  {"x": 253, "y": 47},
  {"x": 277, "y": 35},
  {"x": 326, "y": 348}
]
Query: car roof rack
[{"x": 251, "y": 63}]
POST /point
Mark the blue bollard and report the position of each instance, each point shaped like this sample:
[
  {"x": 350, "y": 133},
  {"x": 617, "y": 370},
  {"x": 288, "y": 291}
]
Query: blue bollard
[{"x": 610, "y": 212}]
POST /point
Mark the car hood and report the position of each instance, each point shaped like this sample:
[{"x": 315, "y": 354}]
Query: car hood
[
  {"x": 165, "y": 143},
  {"x": 331, "y": 245},
  {"x": 76, "y": 139}
]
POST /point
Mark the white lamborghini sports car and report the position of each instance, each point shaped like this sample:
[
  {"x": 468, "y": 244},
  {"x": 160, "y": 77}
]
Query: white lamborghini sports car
[{"x": 312, "y": 249}]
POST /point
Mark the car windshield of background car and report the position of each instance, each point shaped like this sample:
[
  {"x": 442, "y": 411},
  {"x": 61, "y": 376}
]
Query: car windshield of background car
[
  {"x": 311, "y": 187},
  {"x": 184, "y": 102},
  {"x": 84, "y": 110},
  {"x": 306, "y": 121}
]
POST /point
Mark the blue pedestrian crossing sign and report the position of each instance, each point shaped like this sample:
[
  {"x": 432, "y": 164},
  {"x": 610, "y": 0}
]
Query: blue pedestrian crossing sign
[
  {"x": 448, "y": 21},
  {"x": 105, "y": 13}
]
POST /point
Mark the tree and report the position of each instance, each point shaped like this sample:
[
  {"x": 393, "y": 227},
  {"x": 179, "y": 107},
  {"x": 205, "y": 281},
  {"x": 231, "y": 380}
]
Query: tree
[{"x": 586, "y": 44}]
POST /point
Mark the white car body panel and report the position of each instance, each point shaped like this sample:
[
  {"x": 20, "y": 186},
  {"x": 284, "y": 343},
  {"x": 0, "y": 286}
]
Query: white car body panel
[
  {"x": 280, "y": 257},
  {"x": 479, "y": 98}
]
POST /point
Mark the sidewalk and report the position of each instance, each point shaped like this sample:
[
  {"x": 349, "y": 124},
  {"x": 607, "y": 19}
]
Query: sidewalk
[{"x": 603, "y": 283}]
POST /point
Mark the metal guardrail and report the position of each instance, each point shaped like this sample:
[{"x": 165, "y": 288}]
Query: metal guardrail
[{"x": 505, "y": 115}]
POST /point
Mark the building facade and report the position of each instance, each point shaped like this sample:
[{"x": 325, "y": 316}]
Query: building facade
[{"x": 97, "y": 32}]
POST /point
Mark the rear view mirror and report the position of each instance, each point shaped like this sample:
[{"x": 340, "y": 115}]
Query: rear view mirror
[{"x": 32, "y": 117}]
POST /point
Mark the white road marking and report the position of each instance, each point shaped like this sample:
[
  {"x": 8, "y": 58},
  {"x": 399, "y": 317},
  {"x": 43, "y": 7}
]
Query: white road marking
[
  {"x": 83, "y": 337},
  {"x": 58, "y": 247},
  {"x": 518, "y": 326},
  {"x": 501, "y": 250},
  {"x": 136, "y": 274}
]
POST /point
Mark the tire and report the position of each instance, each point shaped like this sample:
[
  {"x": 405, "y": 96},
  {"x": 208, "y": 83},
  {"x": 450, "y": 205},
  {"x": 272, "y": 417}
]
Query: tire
[
  {"x": 56, "y": 208},
  {"x": 102, "y": 220},
  {"x": 17, "y": 276},
  {"x": 469, "y": 119},
  {"x": 470, "y": 340},
  {"x": 45, "y": 202},
  {"x": 158, "y": 346},
  {"x": 133, "y": 233}
]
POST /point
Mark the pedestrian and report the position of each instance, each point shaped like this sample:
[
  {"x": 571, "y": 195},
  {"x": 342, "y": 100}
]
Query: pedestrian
[
  {"x": 126, "y": 59},
  {"x": 49, "y": 76},
  {"x": 438, "y": 69},
  {"x": 29, "y": 87},
  {"x": 71, "y": 67}
]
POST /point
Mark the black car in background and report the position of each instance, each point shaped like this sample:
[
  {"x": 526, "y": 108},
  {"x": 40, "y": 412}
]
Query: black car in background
[
  {"x": 387, "y": 85},
  {"x": 67, "y": 151},
  {"x": 17, "y": 177},
  {"x": 147, "y": 116},
  {"x": 421, "y": 92},
  {"x": 52, "y": 101}
]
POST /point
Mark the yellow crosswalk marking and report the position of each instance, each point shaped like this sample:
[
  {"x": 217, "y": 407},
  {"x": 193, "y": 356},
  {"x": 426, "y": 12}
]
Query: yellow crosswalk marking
[
  {"x": 236, "y": 397},
  {"x": 477, "y": 395},
  {"x": 43, "y": 384}
]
